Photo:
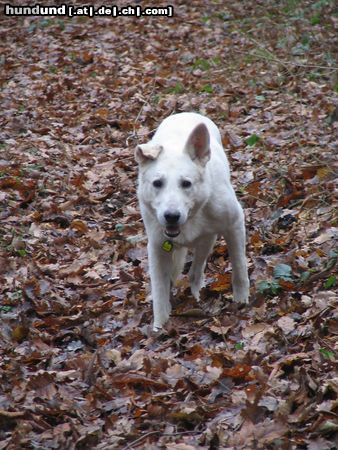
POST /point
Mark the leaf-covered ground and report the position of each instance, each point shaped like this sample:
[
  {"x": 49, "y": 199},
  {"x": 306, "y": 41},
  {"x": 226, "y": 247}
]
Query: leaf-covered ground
[{"x": 80, "y": 367}]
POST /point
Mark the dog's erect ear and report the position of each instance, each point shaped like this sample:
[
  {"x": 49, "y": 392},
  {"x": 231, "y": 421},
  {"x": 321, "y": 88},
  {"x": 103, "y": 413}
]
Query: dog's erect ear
[
  {"x": 198, "y": 144},
  {"x": 147, "y": 152}
]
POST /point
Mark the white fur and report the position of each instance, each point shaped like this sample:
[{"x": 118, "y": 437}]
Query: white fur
[{"x": 181, "y": 151}]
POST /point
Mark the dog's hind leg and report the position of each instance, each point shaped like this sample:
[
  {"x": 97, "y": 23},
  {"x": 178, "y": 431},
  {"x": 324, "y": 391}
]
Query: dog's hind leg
[
  {"x": 179, "y": 256},
  {"x": 235, "y": 239},
  {"x": 201, "y": 253}
]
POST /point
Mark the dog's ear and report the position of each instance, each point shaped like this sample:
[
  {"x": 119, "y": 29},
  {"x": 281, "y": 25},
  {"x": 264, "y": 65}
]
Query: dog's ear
[
  {"x": 147, "y": 152},
  {"x": 198, "y": 144}
]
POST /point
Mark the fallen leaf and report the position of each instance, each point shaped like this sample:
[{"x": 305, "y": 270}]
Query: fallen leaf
[{"x": 286, "y": 324}]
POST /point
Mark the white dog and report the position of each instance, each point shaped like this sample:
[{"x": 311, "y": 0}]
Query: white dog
[{"x": 186, "y": 200}]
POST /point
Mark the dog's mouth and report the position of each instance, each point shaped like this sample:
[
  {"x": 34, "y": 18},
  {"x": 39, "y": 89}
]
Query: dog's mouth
[{"x": 172, "y": 231}]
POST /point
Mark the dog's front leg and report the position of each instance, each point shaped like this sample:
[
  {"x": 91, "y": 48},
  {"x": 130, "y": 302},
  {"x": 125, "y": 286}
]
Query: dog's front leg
[
  {"x": 235, "y": 238},
  {"x": 160, "y": 267}
]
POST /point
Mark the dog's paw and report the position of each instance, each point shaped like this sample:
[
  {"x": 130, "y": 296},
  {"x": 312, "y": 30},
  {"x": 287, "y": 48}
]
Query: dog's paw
[
  {"x": 241, "y": 293},
  {"x": 195, "y": 290},
  {"x": 162, "y": 316},
  {"x": 196, "y": 285},
  {"x": 158, "y": 324}
]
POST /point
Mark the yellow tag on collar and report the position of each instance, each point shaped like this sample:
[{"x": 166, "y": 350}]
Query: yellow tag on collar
[{"x": 167, "y": 246}]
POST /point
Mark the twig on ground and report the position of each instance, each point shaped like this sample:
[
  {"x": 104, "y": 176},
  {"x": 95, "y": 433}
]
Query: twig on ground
[{"x": 151, "y": 433}]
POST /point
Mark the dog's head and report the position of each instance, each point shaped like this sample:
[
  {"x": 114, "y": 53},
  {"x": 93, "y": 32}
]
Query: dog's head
[{"x": 172, "y": 181}]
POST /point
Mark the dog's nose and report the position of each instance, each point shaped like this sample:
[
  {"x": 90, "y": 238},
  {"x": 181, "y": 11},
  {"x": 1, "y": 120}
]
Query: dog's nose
[{"x": 172, "y": 217}]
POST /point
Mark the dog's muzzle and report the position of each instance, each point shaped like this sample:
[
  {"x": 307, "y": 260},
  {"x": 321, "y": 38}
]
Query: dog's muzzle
[
  {"x": 172, "y": 228},
  {"x": 172, "y": 231}
]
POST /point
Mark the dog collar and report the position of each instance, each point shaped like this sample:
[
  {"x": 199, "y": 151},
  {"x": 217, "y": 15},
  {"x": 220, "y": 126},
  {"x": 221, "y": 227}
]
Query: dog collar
[{"x": 167, "y": 246}]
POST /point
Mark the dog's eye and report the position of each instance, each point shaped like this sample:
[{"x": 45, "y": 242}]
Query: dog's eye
[
  {"x": 157, "y": 183},
  {"x": 186, "y": 184}
]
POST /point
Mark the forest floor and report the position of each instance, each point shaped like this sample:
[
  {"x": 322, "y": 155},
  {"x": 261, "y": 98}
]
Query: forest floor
[{"x": 80, "y": 367}]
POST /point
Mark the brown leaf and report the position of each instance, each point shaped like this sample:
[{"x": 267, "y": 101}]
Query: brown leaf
[
  {"x": 79, "y": 225},
  {"x": 135, "y": 379},
  {"x": 85, "y": 58},
  {"x": 222, "y": 282},
  {"x": 219, "y": 329},
  {"x": 194, "y": 312},
  {"x": 238, "y": 372},
  {"x": 187, "y": 418},
  {"x": 254, "y": 188},
  {"x": 286, "y": 324},
  {"x": 287, "y": 285},
  {"x": 20, "y": 332},
  {"x": 11, "y": 415},
  {"x": 251, "y": 330},
  {"x": 265, "y": 433}
]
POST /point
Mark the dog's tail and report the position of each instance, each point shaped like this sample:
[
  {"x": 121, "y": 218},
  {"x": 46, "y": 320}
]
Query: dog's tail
[{"x": 179, "y": 256}]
